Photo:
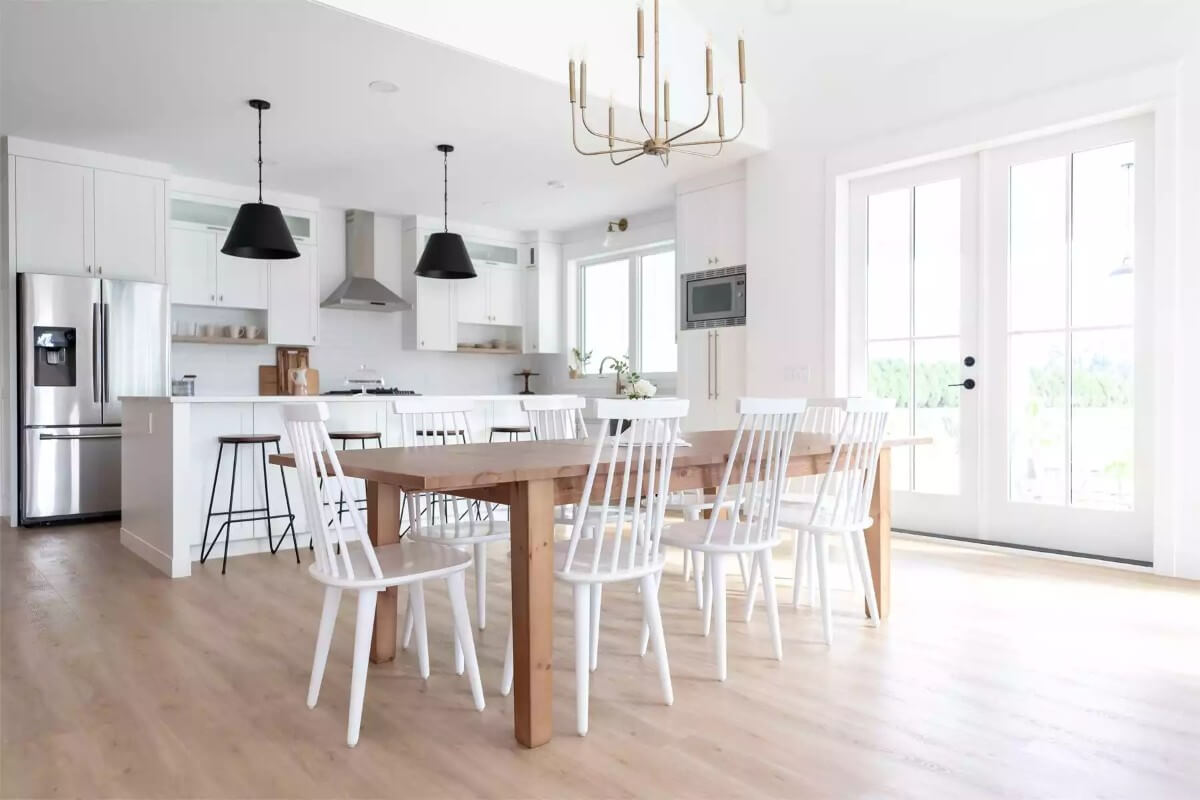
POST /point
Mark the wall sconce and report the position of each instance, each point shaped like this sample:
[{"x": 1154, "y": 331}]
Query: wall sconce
[{"x": 615, "y": 226}]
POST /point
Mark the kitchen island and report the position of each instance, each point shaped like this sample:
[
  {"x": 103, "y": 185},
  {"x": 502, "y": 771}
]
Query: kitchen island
[{"x": 169, "y": 451}]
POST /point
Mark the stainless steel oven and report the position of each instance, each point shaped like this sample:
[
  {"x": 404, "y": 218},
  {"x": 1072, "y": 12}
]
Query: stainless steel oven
[{"x": 714, "y": 298}]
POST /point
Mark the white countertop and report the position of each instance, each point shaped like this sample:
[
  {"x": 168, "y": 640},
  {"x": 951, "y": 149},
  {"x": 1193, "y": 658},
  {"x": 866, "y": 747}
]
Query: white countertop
[{"x": 326, "y": 398}]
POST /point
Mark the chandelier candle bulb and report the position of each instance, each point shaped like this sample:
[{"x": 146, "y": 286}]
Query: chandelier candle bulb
[
  {"x": 641, "y": 33},
  {"x": 741, "y": 60},
  {"x": 571, "y": 78},
  {"x": 610, "y": 125},
  {"x": 583, "y": 84},
  {"x": 708, "y": 68},
  {"x": 720, "y": 116},
  {"x": 666, "y": 101}
]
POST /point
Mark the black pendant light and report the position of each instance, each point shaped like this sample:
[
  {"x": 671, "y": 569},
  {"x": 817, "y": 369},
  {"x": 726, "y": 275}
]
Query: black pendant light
[
  {"x": 445, "y": 255},
  {"x": 259, "y": 230}
]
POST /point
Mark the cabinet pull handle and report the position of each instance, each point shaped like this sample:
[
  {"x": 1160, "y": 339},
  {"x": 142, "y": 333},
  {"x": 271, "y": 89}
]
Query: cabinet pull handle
[
  {"x": 89, "y": 267},
  {"x": 99, "y": 270},
  {"x": 221, "y": 298},
  {"x": 717, "y": 365}
]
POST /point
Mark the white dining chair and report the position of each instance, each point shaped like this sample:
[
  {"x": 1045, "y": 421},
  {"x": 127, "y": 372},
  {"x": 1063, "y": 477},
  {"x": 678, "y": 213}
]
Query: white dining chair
[
  {"x": 345, "y": 560},
  {"x": 842, "y": 503},
  {"x": 555, "y": 416},
  {"x": 753, "y": 483},
  {"x": 440, "y": 518},
  {"x": 635, "y": 469}
]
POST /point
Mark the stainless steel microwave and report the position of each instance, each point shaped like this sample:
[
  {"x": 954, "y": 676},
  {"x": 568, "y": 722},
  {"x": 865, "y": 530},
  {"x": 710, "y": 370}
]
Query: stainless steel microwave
[{"x": 714, "y": 298}]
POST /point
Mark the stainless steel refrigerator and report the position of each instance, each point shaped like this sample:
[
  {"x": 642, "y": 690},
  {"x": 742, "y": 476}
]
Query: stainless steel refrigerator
[{"x": 83, "y": 343}]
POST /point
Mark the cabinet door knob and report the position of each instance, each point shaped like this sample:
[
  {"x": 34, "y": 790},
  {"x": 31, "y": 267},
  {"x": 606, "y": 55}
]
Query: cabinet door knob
[
  {"x": 221, "y": 298},
  {"x": 212, "y": 297},
  {"x": 99, "y": 270},
  {"x": 89, "y": 267}
]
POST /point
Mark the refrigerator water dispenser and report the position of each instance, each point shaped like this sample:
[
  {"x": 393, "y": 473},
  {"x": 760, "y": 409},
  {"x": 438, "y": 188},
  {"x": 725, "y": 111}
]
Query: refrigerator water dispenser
[{"x": 54, "y": 356}]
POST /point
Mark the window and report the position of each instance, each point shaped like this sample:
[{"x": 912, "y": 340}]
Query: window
[{"x": 627, "y": 310}]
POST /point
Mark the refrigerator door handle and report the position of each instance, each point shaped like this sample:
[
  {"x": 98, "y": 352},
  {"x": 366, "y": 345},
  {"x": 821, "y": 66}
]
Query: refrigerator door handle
[
  {"x": 51, "y": 436},
  {"x": 95, "y": 352},
  {"x": 104, "y": 355}
]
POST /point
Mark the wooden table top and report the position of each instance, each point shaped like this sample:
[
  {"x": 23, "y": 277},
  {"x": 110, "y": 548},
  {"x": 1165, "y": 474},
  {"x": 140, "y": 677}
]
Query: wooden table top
[{"x": 464, "y": 466}]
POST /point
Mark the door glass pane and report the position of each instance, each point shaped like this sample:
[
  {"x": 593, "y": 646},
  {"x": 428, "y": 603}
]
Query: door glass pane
[
  {"x": 1102, "y": 419},
  {"x": 936, "y": 258},
  {"x": 1037, "y": 418},
  {"x": 606, "y": 310},
  {"x": 1102, "y": 236},
  {"x": 937, "y": 414},
  {"x": 888, "y": 253},
  {"x": 889, "y": 375},
  {"x": 1038, "y": 245},
  {"x": 658, "y": 313}
]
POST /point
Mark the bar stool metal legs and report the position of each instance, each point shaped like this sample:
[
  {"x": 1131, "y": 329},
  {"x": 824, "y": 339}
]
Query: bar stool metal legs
[{"x": 235, "y": 515}]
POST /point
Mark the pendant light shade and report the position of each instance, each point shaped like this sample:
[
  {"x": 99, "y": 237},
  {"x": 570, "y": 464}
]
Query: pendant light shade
[
  {"x": 445, "y": 256},
  {"x": 259, "y": 230}
]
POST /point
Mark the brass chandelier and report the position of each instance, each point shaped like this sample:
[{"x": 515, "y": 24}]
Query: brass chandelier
[{"x": 660, "y": 142}]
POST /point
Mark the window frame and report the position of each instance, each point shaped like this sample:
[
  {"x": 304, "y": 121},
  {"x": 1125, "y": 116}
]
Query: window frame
[{"x": 633, "y": 259}]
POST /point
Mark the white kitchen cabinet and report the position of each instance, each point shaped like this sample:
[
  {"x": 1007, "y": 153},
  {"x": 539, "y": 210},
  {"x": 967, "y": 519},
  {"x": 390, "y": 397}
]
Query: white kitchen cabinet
[
  {"x": 711, "y": 227},
  {"x": 78, "y": 220},
  {"x": 493, "y": 296},
  {"x": 193, "y": 267},
  {"x": 52, "y": 207},
  {"x": 293, "y": 307},
  {"x": 130, "y": 221},
  {"x": 435, "y": 308},
  {"x": 543, "y": 297},
  {"x": 202, "y": 275},
  {"x": 712, "y": 376}
]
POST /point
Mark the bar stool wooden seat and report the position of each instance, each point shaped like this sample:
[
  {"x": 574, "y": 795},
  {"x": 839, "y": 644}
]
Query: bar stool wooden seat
[
  {"x": 514, "y": 432},
  {"x": 236, "y": 441}
]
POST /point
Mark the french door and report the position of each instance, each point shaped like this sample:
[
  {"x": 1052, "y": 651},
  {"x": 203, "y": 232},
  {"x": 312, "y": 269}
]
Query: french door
[{"x": 1002, "y": 300}]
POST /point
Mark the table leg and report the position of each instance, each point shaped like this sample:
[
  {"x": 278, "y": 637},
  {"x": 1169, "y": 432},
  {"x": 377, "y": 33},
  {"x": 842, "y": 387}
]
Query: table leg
[
  {"x": 383, "y": 527},
  {"x": 532, "y": 526},
  {"x": 879, "y": 535}
]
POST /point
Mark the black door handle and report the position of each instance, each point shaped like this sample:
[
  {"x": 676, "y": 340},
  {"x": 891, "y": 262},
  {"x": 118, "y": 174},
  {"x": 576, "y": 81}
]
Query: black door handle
[{"x": 969, "y": 383}]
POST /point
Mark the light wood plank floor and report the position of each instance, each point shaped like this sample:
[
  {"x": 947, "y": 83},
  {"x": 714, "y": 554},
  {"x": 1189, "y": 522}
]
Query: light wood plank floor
[{"x": 997, "y": 676}]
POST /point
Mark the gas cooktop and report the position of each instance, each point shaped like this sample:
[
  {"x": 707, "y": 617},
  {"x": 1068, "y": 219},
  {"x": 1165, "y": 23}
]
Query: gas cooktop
[{"x": 385, "y": 390}]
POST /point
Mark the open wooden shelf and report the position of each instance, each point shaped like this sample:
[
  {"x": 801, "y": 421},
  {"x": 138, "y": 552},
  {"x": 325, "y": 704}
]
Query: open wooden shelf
[
  {"x": 496, "y": 351},
  {"x": 216, "y": 340}
]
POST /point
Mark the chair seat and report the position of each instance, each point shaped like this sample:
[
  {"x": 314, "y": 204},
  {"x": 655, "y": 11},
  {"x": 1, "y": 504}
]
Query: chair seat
[
  {"x": 581, "y": 565},
  {"x": 448, "y": 535},
  {"x": 249, "y": 438},
  {"x": 691, "y": 536},
  {"x": 704, "y": 503},
  {"x": 403, "y": 562},
  {"x": 355, "y": 435},
  {"x": 799, "y": 516}
]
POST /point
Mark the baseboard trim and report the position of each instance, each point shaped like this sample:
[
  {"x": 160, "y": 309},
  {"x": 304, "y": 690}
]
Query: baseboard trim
[
  {"x": 151, "y": 554},
  {"x": 1046, "y": 552}
]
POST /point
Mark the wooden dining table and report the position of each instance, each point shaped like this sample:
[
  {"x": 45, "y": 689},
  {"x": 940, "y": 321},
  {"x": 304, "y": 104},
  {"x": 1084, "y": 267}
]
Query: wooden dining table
[{"x": 531, "y": 478}]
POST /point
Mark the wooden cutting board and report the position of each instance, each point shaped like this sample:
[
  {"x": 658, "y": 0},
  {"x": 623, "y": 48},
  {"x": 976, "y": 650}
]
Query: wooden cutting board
[
  {"x": 268, "y": 385},
  {"x": 287, "y": 359}
]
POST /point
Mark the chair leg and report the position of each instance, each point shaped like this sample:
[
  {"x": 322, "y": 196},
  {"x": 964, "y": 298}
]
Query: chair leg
[
  {"x": 800, "y": 565},
  {"x": 707, "y": 566},
  {"x": 262, "y": 452},
  {"x": 229, "y": 515},
  {"x": 481, "y": 585},
  {"x": 363, "y": 625},
  {"x": 653, "y": 615},
  {"x": 864, "y": 568},
  {"x": 460, "y": 660},
  {"x": 456, "y": 584},
  {"x": 406, "y": 639},
  {"x": 741, "y": 559},
  {"x": 211, "y": 498},
  {"x": 506, "y": 680},
  {"x": 768, "y": 576},
  {"x": 687, "y": 560},
  {"x": 752, "y": 588},
  {"x": 287, "y": 501},
  {"x": 718, "y": 567},
  {"x": 416, "y": 596},
  {"x": 822, "y": 557},
  {"x": 645, "y": 641},
  {"x": 848, "y": 551},
  {"x": 594, "y": 631},
  {"x": 810, "y": 575},
  {"x": 333, "y": 599},
  {"x": 582, "y": 655},
  {"x": 697, "y": 558}
]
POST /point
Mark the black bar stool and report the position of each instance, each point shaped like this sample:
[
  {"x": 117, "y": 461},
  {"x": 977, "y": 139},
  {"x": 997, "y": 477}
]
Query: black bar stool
[
  {"x": 262, "y": 440},
  {"x": 362, "y": 437},
  {"x": 514, "y": 432}
]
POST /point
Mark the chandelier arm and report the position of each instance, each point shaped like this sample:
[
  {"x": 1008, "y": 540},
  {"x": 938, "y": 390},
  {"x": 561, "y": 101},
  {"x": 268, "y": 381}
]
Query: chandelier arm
[
  {"x": 588, "y": 128},
  {"x": 720, "y": 147},
  {"x": 625, "y": 160},
  {"x": 741, "y": 127},
  {"x": 641, "y": 114},
  {"x": 697, "y": 126},
  {"x": 597, "y": 152}
]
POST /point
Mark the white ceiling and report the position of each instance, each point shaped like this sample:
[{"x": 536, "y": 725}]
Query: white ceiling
[{"x": 167, "y": 81}]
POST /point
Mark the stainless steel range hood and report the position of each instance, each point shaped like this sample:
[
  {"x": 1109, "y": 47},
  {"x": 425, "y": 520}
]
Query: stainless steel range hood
[{"x": 361, "y": 291}]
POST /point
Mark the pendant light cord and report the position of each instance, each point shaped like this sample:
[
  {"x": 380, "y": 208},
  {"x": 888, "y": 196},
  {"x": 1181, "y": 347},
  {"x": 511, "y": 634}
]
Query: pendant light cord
[
  {"x": 446, "y": 192},
  {"x": 260, "y": 156}
]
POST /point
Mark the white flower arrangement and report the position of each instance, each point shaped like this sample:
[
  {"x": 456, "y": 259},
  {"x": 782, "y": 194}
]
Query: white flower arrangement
[{"x": 638, "y": 388}]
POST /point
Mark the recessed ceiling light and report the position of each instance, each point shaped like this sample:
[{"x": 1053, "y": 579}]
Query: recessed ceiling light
[
  {"x": 556, "y": 184},
  {"x": 386, "y": 87}
]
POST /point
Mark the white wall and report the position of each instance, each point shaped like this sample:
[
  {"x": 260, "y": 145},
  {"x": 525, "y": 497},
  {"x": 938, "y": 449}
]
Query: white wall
[
  {"x": 951, "y": 102},
  {"x": 351, "y": 338}
]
